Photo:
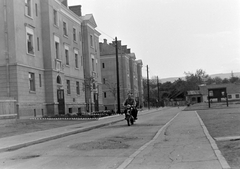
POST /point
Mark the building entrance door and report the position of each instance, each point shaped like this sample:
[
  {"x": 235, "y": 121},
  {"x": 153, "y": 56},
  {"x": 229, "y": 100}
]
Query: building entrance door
[{"x": 61, "y": 102}]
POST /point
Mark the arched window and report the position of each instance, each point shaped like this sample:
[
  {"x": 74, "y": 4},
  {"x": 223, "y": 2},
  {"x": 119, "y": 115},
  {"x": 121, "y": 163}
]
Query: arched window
[{"x": 59, "y": 81}]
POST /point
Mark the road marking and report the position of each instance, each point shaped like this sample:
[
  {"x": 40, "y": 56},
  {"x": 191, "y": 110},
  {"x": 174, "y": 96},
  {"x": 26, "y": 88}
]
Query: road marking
[{"x": 131, "y": 157}]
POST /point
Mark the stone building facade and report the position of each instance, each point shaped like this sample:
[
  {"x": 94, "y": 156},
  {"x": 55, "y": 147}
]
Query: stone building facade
[
  {"x": 41, "y": 56},
  {"x": 129, "y": 74}
]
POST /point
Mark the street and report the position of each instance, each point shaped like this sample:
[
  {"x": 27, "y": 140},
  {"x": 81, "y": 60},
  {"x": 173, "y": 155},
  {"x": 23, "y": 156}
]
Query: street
[
  {"x": 167, "y": 138},
  {"x": 106, "y": 147}
]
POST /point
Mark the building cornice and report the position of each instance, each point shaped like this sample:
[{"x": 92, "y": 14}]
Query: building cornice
[
  {"x": 90, "y": 26},
  {"x": 27, "y": 66},
  {"x": 71, "y": 16}
]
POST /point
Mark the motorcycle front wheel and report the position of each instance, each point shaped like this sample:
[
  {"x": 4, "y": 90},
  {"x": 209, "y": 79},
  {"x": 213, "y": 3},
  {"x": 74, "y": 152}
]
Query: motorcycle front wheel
[
  {"x": 132, "y": 121},
  {"x": 128, "y": 122}
]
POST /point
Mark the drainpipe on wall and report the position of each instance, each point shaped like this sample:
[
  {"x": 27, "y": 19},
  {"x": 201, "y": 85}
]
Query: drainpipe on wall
[{"x": 6, "y": 48}]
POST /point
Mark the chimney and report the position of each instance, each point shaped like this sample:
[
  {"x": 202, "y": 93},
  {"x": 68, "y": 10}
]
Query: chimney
[{"x": 76, "y": 9}]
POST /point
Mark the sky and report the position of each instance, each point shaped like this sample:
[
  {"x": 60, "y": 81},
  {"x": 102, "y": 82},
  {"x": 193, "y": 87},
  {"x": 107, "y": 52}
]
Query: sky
[{"x": 172, "y": 36}]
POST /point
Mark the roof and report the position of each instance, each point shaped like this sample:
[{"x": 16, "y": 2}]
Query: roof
[
  {"x": 232, "y": 88},
  {"x": 193, "y": 92},
  {"x": 90, "y": 19}
]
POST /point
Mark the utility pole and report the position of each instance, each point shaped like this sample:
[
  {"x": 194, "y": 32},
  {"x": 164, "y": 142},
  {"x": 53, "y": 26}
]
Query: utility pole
[
  {"x": 118, "y": 92},
  {"x": 148, "y": 89},
  {"x": 158, "y": 92}
]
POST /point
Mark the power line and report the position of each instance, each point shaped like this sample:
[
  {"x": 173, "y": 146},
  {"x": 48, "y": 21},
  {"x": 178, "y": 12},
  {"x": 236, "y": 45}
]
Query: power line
[{"x": 105, "y": 33}]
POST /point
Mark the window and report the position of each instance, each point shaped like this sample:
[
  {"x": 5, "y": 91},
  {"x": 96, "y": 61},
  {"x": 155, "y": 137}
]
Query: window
[
  {"x": 96, "y": 45},
  {"x": 59, "y": 81},
  {"x": 74, "y": 35},
  {"x": 76, "y": 60},
  {"x": 91, "y": 40},
  {"x": 237, "y": 95},
  {"x": 30, "y": 40},
  {"x": 96, "y": 65},
  {"x": 67, "y": 55},
  {"x": 68, "y": 87},
  {"x": 38, "y": 43},
  {"x": 55, "y": 17},
  {"x": 229, "y": 96},
  {"x": 31, "y": 77},
  {"x": 77, "y": 88},
  {"x": 104, "y": 80},
  {"x": 92, "y": 64},
  {"x": 28, "y": 7},
  {"x": 210, "y": 93},
  {"x": 105, "y": 94},
  {"x": 57, "y": 50},
  {"x": 36, "y": 9},
  {"x": 65, "y": 29},
  {"x": 103, "y": 65},
  {"x": 40, "y": 80},
  {"x": 81, "y": 60},
  {"x": 57, "y": 47}
]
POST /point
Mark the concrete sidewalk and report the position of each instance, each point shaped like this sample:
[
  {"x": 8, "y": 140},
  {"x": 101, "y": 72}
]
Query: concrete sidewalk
[
  {"x": 184, "y": 143},
  {"x": 24, "y": 140}
]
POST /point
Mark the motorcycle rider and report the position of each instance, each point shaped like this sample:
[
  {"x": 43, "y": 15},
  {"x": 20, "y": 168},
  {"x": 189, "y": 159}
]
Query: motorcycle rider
[{"x": 130, "y": 101}]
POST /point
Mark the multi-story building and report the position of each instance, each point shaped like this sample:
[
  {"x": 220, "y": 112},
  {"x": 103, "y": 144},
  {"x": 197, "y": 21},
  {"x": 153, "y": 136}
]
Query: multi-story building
[
  {"x": 140, "y": 82},
  {"x": 41, "y": 56},
  {"x": 91, "y": 59},
  {"x": 129, "y": 75}
]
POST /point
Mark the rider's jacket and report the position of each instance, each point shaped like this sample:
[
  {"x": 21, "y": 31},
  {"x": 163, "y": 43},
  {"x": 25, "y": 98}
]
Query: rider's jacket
[{"x": 129, "y": 101}]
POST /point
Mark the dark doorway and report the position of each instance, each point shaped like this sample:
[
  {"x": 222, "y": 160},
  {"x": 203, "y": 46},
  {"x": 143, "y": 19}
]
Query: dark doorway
[
  {"x": 199, "y": 99},
  {"x": 61, "y": 102}
]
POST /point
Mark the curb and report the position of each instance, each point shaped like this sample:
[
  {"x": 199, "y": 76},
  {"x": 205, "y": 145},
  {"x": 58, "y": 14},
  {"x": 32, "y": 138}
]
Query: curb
[
  {"x": 214, "y": 146},
  {"x": 41, "y": 140},
  {"x": 68, "y": 119},
  {"x": 64, "y": 134}
]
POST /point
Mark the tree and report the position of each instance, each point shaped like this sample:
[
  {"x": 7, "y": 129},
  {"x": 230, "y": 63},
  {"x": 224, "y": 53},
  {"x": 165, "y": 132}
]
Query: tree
[
  {"x": 89, "y": 84},
  {"x": 210, "y": 81},
  {"x": 153, "y": 91},
  {"x": 112, "y": 87},
  {"x": 194, "y": 80},
  {"x": 218, "y": 80},
  {"x": 234, "y": 79},
  {"x": 225, "y": 80}
]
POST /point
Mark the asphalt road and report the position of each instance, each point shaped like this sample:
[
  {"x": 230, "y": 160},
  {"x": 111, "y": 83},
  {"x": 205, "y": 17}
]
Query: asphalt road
[{"x": 108, "y": 147}]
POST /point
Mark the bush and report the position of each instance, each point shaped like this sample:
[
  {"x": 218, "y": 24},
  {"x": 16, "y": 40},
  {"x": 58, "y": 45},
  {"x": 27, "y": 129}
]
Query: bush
[{"x": 84, "y": 115}]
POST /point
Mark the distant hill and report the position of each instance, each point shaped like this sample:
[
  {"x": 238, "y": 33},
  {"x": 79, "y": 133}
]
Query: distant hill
[
  {"x": 225, "y": 75},
  {"x": 221, "y": 75}
]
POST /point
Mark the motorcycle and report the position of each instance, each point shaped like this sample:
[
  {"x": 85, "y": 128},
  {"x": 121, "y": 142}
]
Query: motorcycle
[{"x": 129, "y": 116}]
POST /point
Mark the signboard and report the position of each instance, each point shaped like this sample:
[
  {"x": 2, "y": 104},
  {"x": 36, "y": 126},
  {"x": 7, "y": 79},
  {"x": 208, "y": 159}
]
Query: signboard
[{"x": 217, "y": 93}]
